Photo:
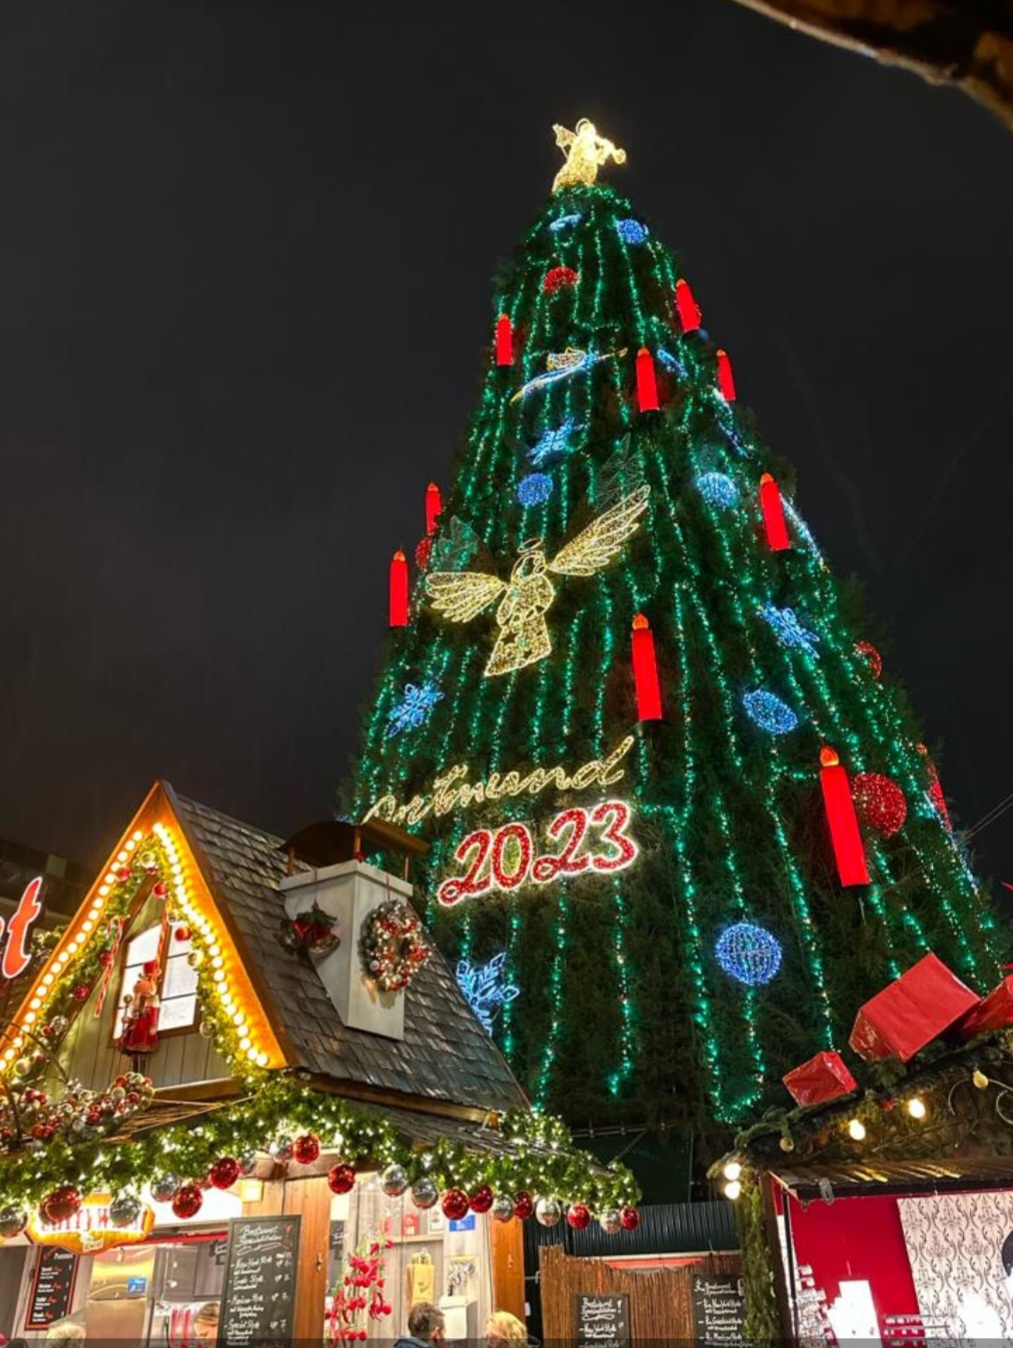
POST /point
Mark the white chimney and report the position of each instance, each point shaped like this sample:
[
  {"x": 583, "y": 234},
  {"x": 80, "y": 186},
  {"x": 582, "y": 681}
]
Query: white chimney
[{"x": 348, "y": 892}]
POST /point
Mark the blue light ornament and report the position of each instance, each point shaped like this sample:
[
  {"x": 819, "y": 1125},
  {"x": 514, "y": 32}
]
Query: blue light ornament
[
  {"x": 414, "y": 708},
  {"x": 553, "y": 443},
  {"x": 749, "y": 954},
  {"x": 769, "y": 712},
  {"x": 787, "y": 628},
  {"x": 631, "y": 231},
  {"x": 717, "y": 489},
  {"x": 485, "y": 988},
  {"x": 534, "y": 489}
]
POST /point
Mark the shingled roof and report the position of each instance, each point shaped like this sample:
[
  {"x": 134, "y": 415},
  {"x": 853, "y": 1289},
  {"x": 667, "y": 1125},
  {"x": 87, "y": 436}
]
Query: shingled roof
[{"x": 445, "y": 1057}]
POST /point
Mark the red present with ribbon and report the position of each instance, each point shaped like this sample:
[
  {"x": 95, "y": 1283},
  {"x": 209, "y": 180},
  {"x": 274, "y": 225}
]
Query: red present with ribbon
[
  {"x": 823, "y": 1077},
  {"x": 916, "y": 1008},
  {"x": 993, "y": 1012}
]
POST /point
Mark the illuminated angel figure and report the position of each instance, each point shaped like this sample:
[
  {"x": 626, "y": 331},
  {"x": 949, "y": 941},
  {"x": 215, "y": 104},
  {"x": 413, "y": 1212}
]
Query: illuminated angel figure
[
  {"x": 524, "y": 634},
  {"x": 586, "y": 151}
]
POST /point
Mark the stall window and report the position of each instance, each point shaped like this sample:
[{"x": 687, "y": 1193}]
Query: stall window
[{"x": 178, "y": 992}]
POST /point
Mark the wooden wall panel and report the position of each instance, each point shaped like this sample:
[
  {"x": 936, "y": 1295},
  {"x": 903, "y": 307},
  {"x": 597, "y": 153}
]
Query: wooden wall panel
[
  {"x": 311, "y": 1199},
  {"x": 507, "y": 1243},
  {"x": 661, "y": 1307}
]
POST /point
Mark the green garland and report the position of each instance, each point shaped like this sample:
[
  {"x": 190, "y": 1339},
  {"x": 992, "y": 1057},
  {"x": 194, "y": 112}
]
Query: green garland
[{"x": 541, "y": 1160}]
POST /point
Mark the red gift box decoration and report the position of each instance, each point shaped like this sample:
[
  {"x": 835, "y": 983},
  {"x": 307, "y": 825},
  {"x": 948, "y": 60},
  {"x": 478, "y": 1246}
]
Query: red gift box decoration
[
  {"x": 993, "y": 1012},
  {"x": 915, "y": 1009},
  {"x": 823, "y": 1077}
]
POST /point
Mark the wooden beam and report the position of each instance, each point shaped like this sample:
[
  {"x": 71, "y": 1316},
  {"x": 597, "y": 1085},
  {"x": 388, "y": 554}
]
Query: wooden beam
[{"x": 964, "y": 44}]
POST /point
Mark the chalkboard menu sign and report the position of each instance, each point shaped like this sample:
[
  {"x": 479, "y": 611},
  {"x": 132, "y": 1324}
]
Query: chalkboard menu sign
[
  {"x": 52, "y": 1287},
  {"x": 718, "y": 1309},
  {"x": 603, "y": 1320},
  {"x": 259, "y": 1295}
]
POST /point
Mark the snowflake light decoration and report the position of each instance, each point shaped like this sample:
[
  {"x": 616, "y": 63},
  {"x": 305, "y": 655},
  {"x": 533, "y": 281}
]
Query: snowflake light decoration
[
  {"x": 552, "y": 444},
  {"x": 670, "y": 361},
  {"x": 788, "y": 629},
  {"x": 486, "y": 988},
  {"x": 414, "y": 708}
]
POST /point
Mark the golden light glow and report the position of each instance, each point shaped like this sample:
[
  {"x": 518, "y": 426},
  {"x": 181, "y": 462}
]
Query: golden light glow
[
  {"x": 231, "y": 978},
  {"x": 585, "y": 152},
  {"x": 916, "y": 1108},
  {"x": 528, "y": 595},
  {"x": 856, "y": 1130},
  {"x": 450, "y": 790}
]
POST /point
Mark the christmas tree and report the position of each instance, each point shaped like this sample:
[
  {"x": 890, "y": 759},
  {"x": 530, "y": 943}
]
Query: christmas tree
[{"x": 681, "y": 823}]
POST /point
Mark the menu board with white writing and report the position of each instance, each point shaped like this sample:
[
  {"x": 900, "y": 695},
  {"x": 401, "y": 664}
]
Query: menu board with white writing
[
  {"x": 52, "y": 1287},
  {"x": 603, "y": 1320},
  {"x": 718, "y": 1309},
  {"x": 259, "y": 1296}
]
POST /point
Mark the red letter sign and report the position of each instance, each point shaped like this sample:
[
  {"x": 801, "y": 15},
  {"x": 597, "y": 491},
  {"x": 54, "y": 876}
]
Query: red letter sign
[{"x": 16, "y": 957}]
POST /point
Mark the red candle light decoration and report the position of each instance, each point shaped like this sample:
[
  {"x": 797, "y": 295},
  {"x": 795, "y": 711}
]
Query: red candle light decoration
[
  {"x": 688, "y": 309},
  {"x": 726, "y": 381},
  {"x": 647, "y": 384},
  {"x": 504, "y": 341},
  {"x": 399, "y": 590},
  {"x": 936, "y": 788},
  {"x": 434, "y": 506},
  {"x": 849, "y": 851},
  {"x": 645, "y": 671},
  {"x": 773, "y": 514}
]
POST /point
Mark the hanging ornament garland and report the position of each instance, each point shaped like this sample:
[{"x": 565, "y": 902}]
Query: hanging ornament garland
[{"x": 393, "y": 947}]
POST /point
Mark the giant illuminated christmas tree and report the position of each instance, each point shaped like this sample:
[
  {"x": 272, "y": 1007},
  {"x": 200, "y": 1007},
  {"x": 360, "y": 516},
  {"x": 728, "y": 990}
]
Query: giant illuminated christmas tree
[{"x": 690, "y": 897}]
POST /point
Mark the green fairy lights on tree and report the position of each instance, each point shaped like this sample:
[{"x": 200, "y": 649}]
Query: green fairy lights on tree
[{"x": 690, "y": 905}]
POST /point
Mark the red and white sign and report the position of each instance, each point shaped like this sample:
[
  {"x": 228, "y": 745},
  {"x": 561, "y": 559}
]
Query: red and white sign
[
  {"x": 505, "y": 858},
  {"x": 16, "y": 957},
  {"x": 90, "y": 1230}
]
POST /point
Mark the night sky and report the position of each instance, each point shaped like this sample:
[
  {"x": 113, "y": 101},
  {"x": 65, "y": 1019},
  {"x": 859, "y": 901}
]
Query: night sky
[{"x": 245, "y": 261}]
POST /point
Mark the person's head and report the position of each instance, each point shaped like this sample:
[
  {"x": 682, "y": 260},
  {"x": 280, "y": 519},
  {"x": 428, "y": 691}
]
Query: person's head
[
  {"x": 425, "y": 1321},
  {"x": 205, "y": 1322},
  {"x": 503, "y": 1328},
  {"x": 65, "y": 1332}
]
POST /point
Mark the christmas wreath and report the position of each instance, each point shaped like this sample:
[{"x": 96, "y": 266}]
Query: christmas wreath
[{"x": 393, "y": 947}]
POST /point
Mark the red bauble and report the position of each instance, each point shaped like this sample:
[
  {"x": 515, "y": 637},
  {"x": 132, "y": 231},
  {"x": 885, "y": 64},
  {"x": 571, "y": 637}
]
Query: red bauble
[
  {"x": 306, "y": 1149},
  {"x": 61, "y": 1204},
  {"x": 181, "y": 933},
  {"x": 341, "y": 1179},
  {"x": 123, "y": 873},
  {"x": 524, "y": 1206},
  {"x": 224, "y": 1173},
  {"x": 187, "y": 1200},
  {"x": 579, "y": 1216},
  {"x": 481, "y": 1200},
  {"x": 879, "y": 802},
  {"x": 81, "y": 993},
  {"x": 629, "y": 1218},
  {"x": 160, "y": 890},
  {"x": 455, "y": 1204},
  {"x": 873, "y": 658},
  {"x": 423, "y": 553},
  {"x": 559, "y": 277},
  {"x": 105, "y": 958}
]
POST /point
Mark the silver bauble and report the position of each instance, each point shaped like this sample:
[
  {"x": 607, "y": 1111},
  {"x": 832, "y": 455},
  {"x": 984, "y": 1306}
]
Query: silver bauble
[
  {"x": 394, "y": 1181},
  {"x": 610, "y": 1222},
  {"x": 124, "y": 1210},
  {"x": 548, "y": 1212},
  {"x": 424, "y": 1193},
  {"x": 12, "y": 1223},
  {"x": 247, "y": 1161},
  {"x": 503, "y": 1208},
  {"x": 58, "y": 1026},
  {"x": 163, "y": 1188},
  {"x": 281, "y": 1149}
]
